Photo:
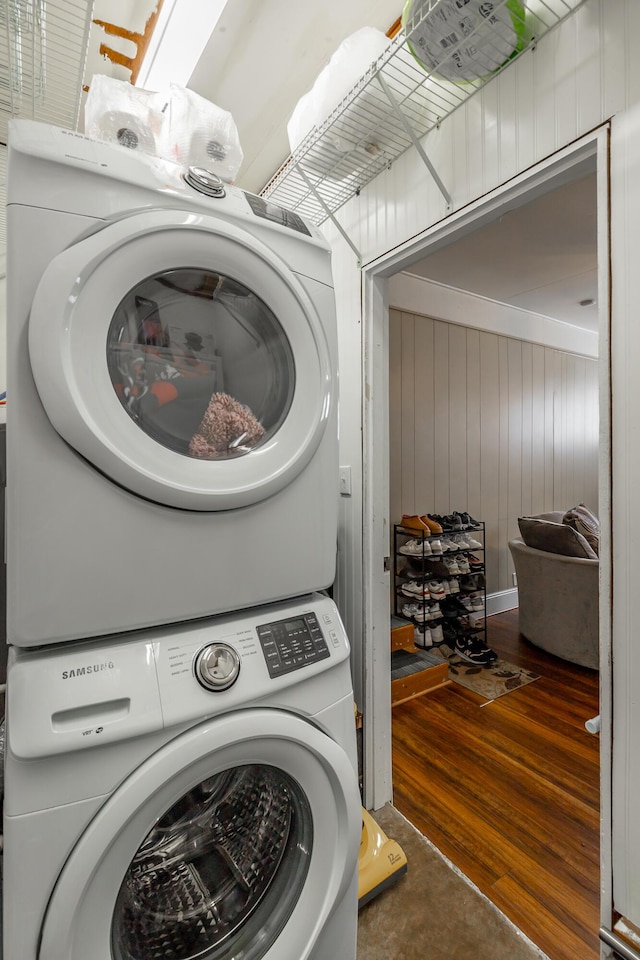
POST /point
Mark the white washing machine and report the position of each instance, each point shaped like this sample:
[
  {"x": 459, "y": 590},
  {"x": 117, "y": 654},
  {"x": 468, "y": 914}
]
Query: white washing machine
[
  {"x": 187, "y": 793},
  {"x": 172, "y": 436}
]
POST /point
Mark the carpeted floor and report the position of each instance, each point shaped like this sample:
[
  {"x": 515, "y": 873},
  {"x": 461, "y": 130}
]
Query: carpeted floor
[{"x": 433, "y": 912}]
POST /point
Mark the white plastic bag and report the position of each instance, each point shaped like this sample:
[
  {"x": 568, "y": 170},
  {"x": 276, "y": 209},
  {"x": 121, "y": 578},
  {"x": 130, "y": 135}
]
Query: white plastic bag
[
  {"x": 347, "y": 65},
  {"x": 201, "y": 134},
  {"x": 176, "y": 124},
  {"x": 117, "y": 111}
]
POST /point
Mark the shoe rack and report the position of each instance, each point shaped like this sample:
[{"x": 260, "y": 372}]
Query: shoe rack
[{"x": 439, "y": 583}]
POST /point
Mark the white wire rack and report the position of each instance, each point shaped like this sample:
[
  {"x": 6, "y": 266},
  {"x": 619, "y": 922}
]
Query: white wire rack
[
  {"x": 43, "y": 46},
  {"x": 398, "y": 101}
]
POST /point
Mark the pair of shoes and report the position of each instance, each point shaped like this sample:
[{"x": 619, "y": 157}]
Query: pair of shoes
[
  {"x": 466, "y": 542},
  {"x": 434, "y": 569},
  {"x": 463, "y": 563},
  {"x": 432, "y": 523},
  {"x": 416, "y": 589},
  {"x": 436, "y": 590},
  {"x": 414, "y": 612},
  {"x": 422, "y": 636},
  {"x": 448, "y": 546},
  {"x": 415, "y": 523},
  {"x": 416, "y": 548},
  {"x": 424, "y": 524},
  {"x": 452, "y": 585},
  {"x": 474, "y": 650},
  {"x": 467, "y": 520},
  {"x": 451, "y": 564},
  {"x": 472, "y": 582},
  {"x": 474, "y": 561}
]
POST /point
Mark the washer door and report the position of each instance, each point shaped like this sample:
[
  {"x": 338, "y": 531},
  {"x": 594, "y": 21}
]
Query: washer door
[
  {"x": 183, "y": 359},
  {"x": 237, "y": 839}
]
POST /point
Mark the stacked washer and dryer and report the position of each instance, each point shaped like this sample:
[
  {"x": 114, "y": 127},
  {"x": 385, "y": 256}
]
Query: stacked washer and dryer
[{"x": 180, "y": 759}]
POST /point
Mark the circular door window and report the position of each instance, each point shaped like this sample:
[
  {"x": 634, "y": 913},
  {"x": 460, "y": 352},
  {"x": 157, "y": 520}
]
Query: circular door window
[
  {"x": 200, "y": 363},
  {"x": 184, "y": 360},
  {"x": 219, "y": 873}
]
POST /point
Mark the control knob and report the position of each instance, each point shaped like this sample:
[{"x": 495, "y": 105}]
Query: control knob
[
  {"x": 205, "y": 181},
  {"x": 217, "y": 666}
]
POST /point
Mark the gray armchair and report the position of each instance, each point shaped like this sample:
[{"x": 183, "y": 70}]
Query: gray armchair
[{"x": 558, "y": 599}]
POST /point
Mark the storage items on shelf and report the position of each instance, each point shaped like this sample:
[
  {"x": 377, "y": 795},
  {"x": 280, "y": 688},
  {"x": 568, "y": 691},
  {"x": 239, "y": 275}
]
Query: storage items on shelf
[{"x": 439, "y": 582}]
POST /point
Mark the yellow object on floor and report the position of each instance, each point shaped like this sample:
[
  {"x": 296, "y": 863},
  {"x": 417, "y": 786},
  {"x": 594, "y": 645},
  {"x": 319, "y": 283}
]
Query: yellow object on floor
[{"x": 381, "y": 861}]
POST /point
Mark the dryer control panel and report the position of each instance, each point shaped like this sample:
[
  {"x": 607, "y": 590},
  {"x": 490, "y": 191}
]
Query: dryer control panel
[{"x": 292, "y": 643}]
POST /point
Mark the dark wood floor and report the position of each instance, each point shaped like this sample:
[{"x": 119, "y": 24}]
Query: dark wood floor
[{"x": 509, "y": 791}]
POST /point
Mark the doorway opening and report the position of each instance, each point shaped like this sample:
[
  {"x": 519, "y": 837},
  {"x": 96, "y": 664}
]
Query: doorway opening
[{"x": 426, "y": 292}]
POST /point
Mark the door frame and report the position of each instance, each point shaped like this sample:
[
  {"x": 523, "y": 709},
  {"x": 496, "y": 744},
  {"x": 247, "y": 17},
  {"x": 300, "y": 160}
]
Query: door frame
[{"x": 561, "y": 167}]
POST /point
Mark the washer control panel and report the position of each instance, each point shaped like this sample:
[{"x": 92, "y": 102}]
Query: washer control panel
[
  {"x": 217, "y": 666},
  {"x": 292, "y": 643}
]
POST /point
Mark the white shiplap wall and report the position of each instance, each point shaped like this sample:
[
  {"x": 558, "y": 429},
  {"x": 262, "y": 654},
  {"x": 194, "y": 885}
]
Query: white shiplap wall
[
  {"x": 489, "y": 424},
  {"x": 581, "y": 74}
]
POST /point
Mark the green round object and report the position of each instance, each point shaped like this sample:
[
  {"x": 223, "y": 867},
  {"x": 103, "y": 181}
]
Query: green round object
[{"x": 465, "y": 41}]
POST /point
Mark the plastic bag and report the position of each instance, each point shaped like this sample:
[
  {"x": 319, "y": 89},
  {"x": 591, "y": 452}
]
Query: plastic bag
[
  {"x": 201, "y": 134},
  {"x": 176, "y": 124},
  {"x": 117, "y": 111},
  {"x": 347, "y": 65}
]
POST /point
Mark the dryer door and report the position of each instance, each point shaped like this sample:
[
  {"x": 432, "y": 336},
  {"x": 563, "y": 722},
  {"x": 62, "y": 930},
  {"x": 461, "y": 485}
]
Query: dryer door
[
  {"x": 237, "y": 839},
  {"x": 183, "y": 359}
]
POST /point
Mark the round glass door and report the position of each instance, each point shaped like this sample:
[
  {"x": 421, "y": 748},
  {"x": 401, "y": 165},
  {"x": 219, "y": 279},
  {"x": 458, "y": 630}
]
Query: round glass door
[
  {"x": 184, "y": 360},
  {"x": 200, "y": 363},
  {"x": 219, "y": 873}
]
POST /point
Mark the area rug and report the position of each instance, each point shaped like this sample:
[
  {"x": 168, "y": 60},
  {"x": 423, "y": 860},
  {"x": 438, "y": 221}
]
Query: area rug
[
  {"x": 490, "y": 681},
  {"x": 434, "y": 912}
]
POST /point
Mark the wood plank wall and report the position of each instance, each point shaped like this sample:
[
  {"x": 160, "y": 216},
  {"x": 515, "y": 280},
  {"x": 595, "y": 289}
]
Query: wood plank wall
[{"x": 489, "y": 424}]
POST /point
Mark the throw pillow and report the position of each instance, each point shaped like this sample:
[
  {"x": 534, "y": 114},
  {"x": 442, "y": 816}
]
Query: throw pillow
[
  {"x": 580, "y": 518},
  {"x": 554, "y": 538}
]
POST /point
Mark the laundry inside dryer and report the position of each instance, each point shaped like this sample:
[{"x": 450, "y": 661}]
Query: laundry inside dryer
[{"x": 200, "y": 363}]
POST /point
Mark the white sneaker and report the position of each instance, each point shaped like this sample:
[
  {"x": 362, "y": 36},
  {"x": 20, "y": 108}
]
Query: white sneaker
[
  {"x": 436, "y": 590},
  {"x": 414, "y": 589},
  {"x": 422, "y": 637},
  {"x": 436, "y": 633},
  {"x": 413, "y": 611},
  {"x": 436, "y": 547},
  {"x": 434, "y": 611},
  {"x": 448, "y": 545},
  {"x": 474, "y": 544},
  {"x": 460, "y": 541},
  {"x": 454, "y": 585},
  {"x": 416, "y": 548},
  {"x": 463, "y": 563},
  {"x": 451, "y": 563}
]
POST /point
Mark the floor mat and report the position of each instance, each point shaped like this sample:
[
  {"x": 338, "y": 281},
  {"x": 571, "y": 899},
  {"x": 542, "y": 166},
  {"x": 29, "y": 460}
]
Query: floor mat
[
  {"x": 490, "y": 681},
  {"x": 433, "y": 912}
]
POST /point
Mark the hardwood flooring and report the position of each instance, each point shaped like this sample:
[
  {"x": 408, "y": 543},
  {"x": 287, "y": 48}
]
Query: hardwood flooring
[{"x": 509, "y": 791}]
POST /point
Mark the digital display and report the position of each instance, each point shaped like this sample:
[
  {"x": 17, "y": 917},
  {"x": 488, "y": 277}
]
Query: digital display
[
  {"x": 292, "y": 644},
  {"x": 271, "y": 211}
]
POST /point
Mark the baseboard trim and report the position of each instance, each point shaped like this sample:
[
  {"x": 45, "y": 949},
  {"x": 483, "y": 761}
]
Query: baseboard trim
[{"x": 501, "y": 601}]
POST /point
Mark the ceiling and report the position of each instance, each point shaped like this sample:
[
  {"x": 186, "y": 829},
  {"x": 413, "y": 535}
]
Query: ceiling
[
  {"x": 539, "y": 257},
  {"x": 263, "y": 56}
]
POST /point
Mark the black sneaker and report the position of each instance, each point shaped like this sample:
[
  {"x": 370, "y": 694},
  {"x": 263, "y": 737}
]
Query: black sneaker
[
  {"x": 449, "y": 633},
  {"x": 473, "y": 650}
]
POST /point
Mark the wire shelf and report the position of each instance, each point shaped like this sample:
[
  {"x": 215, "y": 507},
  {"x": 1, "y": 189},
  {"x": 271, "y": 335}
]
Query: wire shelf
[{"x": 398, "y": 101}]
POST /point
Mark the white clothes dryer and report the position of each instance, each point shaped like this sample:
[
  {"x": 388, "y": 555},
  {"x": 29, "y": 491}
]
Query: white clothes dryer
[
  {"x": 187, "y": 793},
  {"x": 172, "y": 375}
]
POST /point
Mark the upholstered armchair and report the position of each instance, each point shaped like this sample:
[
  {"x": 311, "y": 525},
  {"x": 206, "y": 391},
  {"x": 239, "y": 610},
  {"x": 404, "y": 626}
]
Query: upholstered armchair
[{"x": 557, "y": 588}]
